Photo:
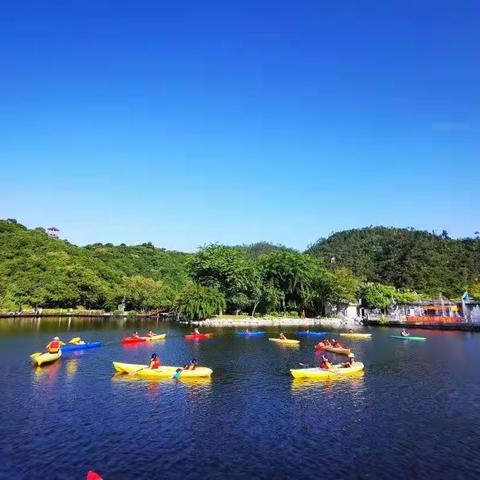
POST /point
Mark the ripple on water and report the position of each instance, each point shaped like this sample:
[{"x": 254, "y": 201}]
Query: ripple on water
[{"x": 414, "y": 413}]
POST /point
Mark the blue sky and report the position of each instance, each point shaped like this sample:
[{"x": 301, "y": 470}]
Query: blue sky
[{"x": 185, "y": 123}]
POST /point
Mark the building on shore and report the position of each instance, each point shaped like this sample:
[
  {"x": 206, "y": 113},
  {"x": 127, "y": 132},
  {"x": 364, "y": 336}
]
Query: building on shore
[
  {"x": 53, "y": 232},
  {"x": 433, "y": 311}
]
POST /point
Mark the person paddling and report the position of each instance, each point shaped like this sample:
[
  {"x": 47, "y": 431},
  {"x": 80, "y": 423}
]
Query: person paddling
[
  {"x": 54, "y": 345},
  {"x": 150, "y": 334},
  {"x": 196, "y": 331},
  {"x": 326, "y": 365},
  {"x": 350, "y": 362},
  {"x": 192, "y": 365},
  {"x": 404, "y": 333},
  {"x": 336, "y": 344},
  {"x": 135, "y": 335},
  {"x": 154, "y": 361},
  {"x": 282, "y": 336}
]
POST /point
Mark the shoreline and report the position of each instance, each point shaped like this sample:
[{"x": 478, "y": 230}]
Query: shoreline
[{"x": 219, "y": 322}]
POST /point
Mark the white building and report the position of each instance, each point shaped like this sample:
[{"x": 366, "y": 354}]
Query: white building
[{"x": 53, "y": 232}]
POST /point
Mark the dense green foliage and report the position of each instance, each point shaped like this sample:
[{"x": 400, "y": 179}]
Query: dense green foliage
[
  {"x": 196, "y": 302},
  {"x": 229, "y": 270},
  {"x": 382, "y": 266},
  {"x": 38, "y": 270},
  {"x": 405, "y": 258},
  {"x": 377, "y": 295}
]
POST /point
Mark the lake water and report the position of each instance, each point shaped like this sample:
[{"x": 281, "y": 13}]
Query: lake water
[{"x": 415, "y": 413}]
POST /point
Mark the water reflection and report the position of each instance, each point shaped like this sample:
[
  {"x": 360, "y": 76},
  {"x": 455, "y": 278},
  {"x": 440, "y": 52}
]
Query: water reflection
[
  {"x": 46, "y": 374},
  {"x": 188, "y": 382},
  {"x": 354, "y": 380},
  {"x": 71, "y": 367}
]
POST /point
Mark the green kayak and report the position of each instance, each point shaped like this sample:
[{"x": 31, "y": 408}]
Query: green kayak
[{"x": 409, "y": 338}]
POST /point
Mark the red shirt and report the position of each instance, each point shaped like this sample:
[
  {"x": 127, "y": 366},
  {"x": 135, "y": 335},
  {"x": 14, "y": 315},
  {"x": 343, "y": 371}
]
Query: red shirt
[{"x": 155, "y": 363}]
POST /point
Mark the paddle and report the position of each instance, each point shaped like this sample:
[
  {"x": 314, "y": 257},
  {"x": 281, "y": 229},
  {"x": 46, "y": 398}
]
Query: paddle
[
  {"x": 139, "y": 370},
  {"x": 36, "y": 354},
  {"x": 326, "y": 369}
]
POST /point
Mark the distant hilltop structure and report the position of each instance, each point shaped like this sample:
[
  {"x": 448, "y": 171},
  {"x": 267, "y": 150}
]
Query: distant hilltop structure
[{"x": 53, "y": 232}]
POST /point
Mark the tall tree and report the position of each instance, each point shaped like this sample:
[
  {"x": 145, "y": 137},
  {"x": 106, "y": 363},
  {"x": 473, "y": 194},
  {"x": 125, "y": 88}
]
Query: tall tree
[{"x": 197, "y": 302}]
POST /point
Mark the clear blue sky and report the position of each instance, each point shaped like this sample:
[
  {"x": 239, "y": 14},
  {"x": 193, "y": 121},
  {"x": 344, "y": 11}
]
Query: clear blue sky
[{"x": 185, "y": 123}]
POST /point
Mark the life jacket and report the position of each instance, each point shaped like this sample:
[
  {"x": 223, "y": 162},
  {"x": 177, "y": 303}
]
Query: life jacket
[
  {"x": 53, "y": 346},
  {"x": 155, "y": 363},
  {"x": 337, "y": 345}
]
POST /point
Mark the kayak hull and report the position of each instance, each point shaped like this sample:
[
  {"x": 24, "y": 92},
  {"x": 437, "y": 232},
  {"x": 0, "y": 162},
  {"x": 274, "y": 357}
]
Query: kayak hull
[
  {"x": 418, "y": 339},
  {"x": 82, "y": 346},
  {"x": 285, "y": 342},
  {"x": 154, "y": 338},
  {"x": 250, "y": 334},
  {"x": 338, "y": 351},
  {"x": 130, "y": 340},
  {"x": 198, "y": 336},
  {"x": 144, "y": 371},
  {"x": 46, "y": 358},
  {"x": 319, "y": 373},
  {"x": 311, "y": 334},
  {"x": 356, "y": 335}
]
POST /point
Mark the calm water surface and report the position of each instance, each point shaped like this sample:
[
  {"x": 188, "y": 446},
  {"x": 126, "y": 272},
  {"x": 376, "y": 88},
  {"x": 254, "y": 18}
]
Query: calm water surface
[{"x": 415, "y": 413}]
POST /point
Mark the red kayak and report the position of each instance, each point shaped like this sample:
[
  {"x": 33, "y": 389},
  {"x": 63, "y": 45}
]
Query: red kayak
[
  {"x": 133, "y": 340},
  {"x": 197, "y": 336},
  {"x": 91, "y": 475}
]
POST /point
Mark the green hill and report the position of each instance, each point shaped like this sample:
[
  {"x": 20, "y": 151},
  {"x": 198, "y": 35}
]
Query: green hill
[
  {"x": 405, "y": 258},
  {"x": 36, "y": 269}
]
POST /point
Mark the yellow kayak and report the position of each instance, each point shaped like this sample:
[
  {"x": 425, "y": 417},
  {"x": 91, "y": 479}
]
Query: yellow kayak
[
  {"x": 320, "y": 373},
  {"x": 46, "y": 358},
  {"x": 285, "y": 342},
  {"x": 339, "y": 351},
  {"x": 155, "y": 337},
  {"x": 145, "y": 371},
  {"x": 356, "y": 335}
]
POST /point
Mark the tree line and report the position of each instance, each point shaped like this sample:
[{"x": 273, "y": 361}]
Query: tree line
[{"x": 379, "y": 265}]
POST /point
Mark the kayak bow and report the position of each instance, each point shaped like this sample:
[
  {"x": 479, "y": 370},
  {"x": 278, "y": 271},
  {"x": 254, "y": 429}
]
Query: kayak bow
[
  {"x": 356, "y": 335},
  {"x": 339, "y": 351},
  {"x": 311, "y": 334},
  {"x": 198, "y": 336},
  {"x": 409, "y": 338},
  {"x": 80, "y": 346},
  {"x": 44, "y": 358},
  {"x": 285, "y": 342},
  {"x": 250, "y": 334}
]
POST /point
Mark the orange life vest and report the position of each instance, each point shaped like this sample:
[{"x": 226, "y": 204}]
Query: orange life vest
[{"x": 53, "y": 346}]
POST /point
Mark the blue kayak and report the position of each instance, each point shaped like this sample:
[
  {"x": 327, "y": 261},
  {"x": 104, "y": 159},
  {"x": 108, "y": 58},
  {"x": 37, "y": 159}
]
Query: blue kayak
[
  {"x": 81, "y": 346},
  {"x": 311, "y": 334},
  {"x": 250, "y": 334}
]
